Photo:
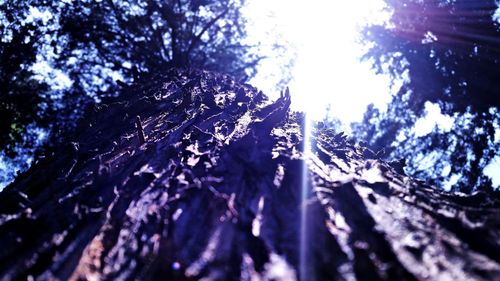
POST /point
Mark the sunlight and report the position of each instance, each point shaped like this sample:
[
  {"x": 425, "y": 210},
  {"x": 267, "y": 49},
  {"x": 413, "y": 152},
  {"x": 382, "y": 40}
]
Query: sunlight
[
  {"x": 327, "y": 69},
  {"x": 322, "y": 36}
]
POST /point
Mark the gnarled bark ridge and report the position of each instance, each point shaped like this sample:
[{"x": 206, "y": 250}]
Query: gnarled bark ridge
[{"x": 193, "y": 176}]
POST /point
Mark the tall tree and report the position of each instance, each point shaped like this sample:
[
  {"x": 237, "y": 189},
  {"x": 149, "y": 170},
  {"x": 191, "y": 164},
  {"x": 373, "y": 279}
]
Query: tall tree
[
  {"x": 190, "y": 175},
  {"x": 447, "y": 53},
  {"x": 58, "y": 57}
]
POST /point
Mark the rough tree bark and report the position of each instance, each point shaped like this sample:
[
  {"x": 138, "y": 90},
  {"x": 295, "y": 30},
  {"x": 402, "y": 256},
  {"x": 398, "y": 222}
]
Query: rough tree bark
[{"x": 193, "y": 176}]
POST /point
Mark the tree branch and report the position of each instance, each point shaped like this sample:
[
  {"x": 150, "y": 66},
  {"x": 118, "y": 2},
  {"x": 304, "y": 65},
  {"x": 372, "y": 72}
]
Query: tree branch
[{"x": 207, "y": 26}]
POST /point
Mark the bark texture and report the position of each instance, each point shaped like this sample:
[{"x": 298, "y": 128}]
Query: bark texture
[{"x": 193, "y": 176}]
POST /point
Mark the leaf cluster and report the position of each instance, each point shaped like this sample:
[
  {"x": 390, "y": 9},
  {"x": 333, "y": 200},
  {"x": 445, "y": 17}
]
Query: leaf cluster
[{"x": 445, "y": 53}]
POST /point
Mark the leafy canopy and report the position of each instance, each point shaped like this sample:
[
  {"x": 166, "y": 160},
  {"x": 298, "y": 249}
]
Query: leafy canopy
[
  {"x": 59, "y": 57},
  {"x": 446, "y": 53}
]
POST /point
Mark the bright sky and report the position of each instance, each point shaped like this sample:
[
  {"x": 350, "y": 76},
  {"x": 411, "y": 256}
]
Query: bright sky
[
  {"x": 322, "y": 35},
  {"x": 327, "y": 68}
]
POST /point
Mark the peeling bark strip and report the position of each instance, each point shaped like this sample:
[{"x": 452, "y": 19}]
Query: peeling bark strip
[
  {"x": 215, "y": 193},
  {"x": 140, "y": 130}
]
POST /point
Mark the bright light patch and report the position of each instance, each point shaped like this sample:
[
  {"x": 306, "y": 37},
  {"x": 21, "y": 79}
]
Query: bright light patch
[
  {"x": 327, "y": 67},
  {"x": 433, "y": 119},
  {"x": 496, "y": 15},
  {"x": 451, "y": 182},
  {"x": 492, "y": 170},
  {"x": 57, "y": 79},
  {"x": 36, "y": 14}
]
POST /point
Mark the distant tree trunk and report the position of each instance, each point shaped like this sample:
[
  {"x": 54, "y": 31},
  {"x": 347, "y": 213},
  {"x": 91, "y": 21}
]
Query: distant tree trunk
[{"x": 193, "y": 176}]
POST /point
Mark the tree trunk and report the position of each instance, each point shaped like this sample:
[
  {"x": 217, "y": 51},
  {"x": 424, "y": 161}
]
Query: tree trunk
[{"x": 193, "y": 176}]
